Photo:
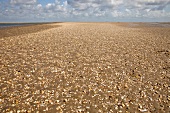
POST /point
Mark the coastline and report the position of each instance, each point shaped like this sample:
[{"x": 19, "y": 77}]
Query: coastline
[{"x": 26, "y": 28}]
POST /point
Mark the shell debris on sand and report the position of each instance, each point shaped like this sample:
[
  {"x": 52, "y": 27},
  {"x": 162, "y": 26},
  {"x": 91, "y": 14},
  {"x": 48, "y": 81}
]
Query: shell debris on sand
[{"x": 86, "y": 67}]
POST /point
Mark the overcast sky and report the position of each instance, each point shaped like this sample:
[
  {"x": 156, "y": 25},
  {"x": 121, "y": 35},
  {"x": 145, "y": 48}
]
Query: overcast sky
[{"x": 84, "y": 10}]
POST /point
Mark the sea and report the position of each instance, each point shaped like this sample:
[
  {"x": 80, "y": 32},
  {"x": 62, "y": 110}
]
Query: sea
[
  {"x": 150, "y": 24},
  {"x": 5, "y": 25}
]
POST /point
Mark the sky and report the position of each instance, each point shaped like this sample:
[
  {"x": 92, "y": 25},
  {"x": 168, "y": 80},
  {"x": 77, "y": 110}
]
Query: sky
[{"x": 85, "y": 10}]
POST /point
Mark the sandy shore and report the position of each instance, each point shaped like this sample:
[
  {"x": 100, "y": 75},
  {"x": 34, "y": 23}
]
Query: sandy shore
[
  {"x": 85, "y": 67},
  {"x": 26, "y": 29}
]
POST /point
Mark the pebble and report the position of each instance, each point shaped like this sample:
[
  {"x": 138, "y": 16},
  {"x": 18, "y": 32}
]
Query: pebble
[{"x": 116, "y": 69}]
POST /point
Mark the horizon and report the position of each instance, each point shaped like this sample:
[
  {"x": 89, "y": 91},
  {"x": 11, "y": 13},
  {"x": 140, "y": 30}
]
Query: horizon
[
  {"x": 23, "y": 11},
  {"x": 79, "y": 22}
]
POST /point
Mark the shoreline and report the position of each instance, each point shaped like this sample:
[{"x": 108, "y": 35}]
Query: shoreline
[{"x": 25, "y": 29}]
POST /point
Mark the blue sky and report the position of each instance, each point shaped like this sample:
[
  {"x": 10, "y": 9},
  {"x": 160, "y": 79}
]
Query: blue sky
[
  {"x": 84, "y": 10},
  {"x": 44, "y": 2}
]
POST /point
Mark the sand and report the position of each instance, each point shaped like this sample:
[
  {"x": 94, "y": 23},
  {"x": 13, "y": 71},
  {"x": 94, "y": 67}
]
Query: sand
[
  {"x": 85, "y": 67},
  {"x": 20, "y": 30}
]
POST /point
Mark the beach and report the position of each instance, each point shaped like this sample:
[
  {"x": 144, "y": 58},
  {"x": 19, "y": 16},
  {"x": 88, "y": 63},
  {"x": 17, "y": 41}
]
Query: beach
[{"x": 85, "y": 67}]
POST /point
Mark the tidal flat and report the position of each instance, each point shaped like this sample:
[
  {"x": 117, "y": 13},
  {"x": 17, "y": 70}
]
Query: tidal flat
[{"x": 85, "y": 67}]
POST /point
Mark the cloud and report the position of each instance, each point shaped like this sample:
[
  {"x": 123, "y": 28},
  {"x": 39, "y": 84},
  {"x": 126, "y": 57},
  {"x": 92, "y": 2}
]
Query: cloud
[
  {"x": 39, "y": 6},
  {"x": 84, "y": 9},
  {"x": 117, "y": 7},
  {"x": 147, "y": 4},
  {"x": 23, "y": 1},
  {"x": 50, "y": 6},
  {"x": 95, "y": 8},
  {"x": 100, "y": 4}
]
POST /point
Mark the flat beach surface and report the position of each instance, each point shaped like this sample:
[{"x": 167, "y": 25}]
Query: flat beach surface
[{"x": 85, "y": 67}]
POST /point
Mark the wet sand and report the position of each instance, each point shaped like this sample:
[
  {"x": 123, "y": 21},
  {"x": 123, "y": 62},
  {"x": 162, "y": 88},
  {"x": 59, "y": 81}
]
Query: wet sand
[{"x": 85, "y": 67}]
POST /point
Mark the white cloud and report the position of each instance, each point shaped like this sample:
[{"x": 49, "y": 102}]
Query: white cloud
[
  {"x": 86, "y": 9},
  {"x": 39, "y": 6},
  {"x": 118, "y": 8},
  {"x": 23, "y": 1},
  {"x": 148, "y": 4},
  {"x": 50, "y": 5},
  {"x": 117, "y": 13},
  {"x": 102, "y": 4}
]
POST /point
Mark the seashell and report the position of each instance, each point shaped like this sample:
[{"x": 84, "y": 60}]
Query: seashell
[{"x": 143, "y": 110}]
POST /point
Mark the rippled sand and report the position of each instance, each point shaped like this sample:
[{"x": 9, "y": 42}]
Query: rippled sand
[{"x": 86, "y": 67}]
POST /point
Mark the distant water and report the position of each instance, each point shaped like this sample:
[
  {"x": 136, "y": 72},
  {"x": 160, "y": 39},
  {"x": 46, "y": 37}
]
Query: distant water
[
  {"x": 160, "y": 24},
  {"x": 151, "y": 24},
  {"x": 4, "y": 25}
]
